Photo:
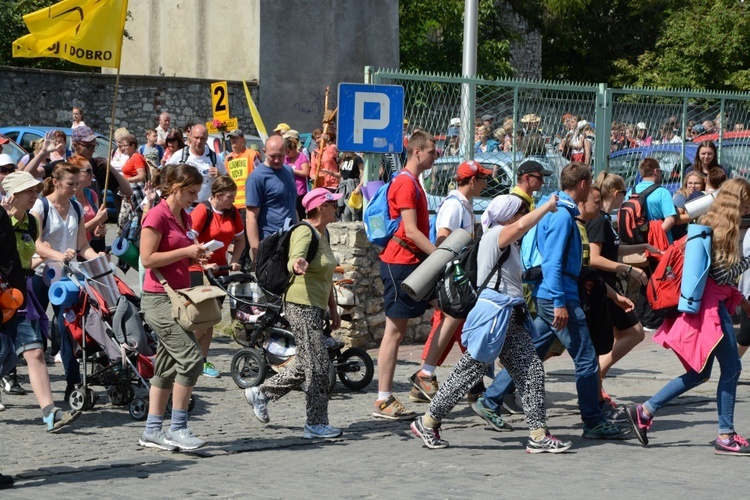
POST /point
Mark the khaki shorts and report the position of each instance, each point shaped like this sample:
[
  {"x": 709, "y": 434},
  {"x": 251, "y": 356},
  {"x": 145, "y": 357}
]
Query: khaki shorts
[{"x": 178, "y": 355}]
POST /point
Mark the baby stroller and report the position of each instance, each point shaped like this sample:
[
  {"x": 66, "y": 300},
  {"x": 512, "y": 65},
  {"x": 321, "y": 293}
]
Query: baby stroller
[{"x": 117, "y": 347}]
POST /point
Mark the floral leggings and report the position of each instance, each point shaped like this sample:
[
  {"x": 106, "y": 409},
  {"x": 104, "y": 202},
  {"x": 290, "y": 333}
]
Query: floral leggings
[
  {"x": 523, "y": 364},
  {"x": 311, "y": 363}
]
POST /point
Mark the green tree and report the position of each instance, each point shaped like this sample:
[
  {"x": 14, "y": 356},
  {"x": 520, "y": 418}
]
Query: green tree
[
  {"x": 703, "y": 45},
  {"x": 431, "y": 37}
]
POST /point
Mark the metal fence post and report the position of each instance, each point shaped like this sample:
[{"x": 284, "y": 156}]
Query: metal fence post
[
  {"x": 602, "y": 126},
  {"x": 469, "y": 69}
]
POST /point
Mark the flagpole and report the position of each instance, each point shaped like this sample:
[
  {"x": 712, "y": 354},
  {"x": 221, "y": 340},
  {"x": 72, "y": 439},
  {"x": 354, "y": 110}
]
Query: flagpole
[{"x": 111, "y": 134}]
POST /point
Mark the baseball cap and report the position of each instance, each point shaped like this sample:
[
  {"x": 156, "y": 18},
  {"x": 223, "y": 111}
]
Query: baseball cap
[
  {"x": 531, "y": 166},
  {"x": 455, "y": 122},
  {"x": 82, "y": 134},
  {"x": 236, "y": 133},
  {"x": 6, "y": 160},
  {"x": 291, "y": 134},
  {"x": 640, "y": 126},
  {"x": 470, "y": 169},
  {"x": 19, "y": 181},
  {"x": 282, "y": 127},
  {"x": 487, "y": 117},
  {"x": 317, "y": 197},
  {"x": 3, "y": 139}
]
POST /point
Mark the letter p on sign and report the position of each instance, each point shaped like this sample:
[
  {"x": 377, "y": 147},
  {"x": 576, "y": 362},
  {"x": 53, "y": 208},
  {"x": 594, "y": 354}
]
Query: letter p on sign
[{"x": 370, "y": 118}]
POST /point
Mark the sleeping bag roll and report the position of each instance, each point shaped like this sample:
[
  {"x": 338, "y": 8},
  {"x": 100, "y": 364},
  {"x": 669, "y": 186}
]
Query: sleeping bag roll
[{"x": 696, "y": 267}]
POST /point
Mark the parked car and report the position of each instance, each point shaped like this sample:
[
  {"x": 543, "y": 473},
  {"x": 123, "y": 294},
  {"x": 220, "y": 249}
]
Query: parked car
[
  {"x": 440, "y": 179},
  {"x": 671, "y": 160},
  {"x": 24, "y": 136},
  {"x": 12, "y": 149}
]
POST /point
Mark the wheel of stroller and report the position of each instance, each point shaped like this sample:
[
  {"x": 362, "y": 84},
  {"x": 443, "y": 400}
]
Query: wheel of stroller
[
  {"x": 77, "y": 399},
  {"x": 248, "y": 368},
  {"x": 138, "y": 409},
  {"x": 355, "y": 368},
  {"x": 91, "y": 399},
  {"x": 120, "y": 394},
  {"x": 191, "y": 404}
]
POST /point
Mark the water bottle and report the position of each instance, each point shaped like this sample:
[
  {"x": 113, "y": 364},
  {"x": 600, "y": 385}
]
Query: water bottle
[{"x": 459, "y": 275}]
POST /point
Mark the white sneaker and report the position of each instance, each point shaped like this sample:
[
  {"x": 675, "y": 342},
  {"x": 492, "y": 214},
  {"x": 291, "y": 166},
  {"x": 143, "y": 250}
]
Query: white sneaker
[
  {"x": 156, "y": 440},
  {"x": 183, "y": 439},
  {"x": 321, "y": 431},
  {"x": 257, "y": 400}
]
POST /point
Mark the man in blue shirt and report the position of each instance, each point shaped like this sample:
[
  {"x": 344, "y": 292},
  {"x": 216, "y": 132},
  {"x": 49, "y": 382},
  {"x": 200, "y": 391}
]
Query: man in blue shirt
[
  {"x": 659, "y": 204},
  {"x": 270, "y": 194}
]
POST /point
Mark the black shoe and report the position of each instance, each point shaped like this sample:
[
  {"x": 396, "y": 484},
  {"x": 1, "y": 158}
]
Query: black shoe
[
  {"x": 11, "y": 385},
  {"x": 6, "y": 482}
]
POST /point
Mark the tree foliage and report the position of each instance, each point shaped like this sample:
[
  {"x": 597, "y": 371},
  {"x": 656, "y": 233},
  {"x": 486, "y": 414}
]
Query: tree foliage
[
  {"x": 431, "y": 37},
  {"x": 702, "y": 45}
]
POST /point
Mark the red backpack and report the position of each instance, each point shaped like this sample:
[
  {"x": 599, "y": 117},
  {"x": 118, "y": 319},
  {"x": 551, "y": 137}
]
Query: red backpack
[
  {"x": 632, "y": 219},
  {"x": 663, "y": 289}
]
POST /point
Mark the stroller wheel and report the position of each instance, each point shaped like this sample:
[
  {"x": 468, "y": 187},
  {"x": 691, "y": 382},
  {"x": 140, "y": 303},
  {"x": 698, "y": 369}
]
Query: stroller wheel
[
  {"x": 120, "y": 394},
  {"x": 77, "y": 399},
  {"x": 248, "y": 368},
  {"x": 138, "y": 409},
  {"x": 90, "y": 400},
  {"x": 191, "y": 404}
]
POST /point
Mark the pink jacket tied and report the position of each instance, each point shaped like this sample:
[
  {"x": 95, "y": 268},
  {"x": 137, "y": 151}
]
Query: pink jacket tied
[{"x": 693, "y": 337}]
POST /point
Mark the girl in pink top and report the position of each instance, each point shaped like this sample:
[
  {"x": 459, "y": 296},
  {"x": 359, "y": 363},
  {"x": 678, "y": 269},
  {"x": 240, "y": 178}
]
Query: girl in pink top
[{"x": 168, "y": 244}]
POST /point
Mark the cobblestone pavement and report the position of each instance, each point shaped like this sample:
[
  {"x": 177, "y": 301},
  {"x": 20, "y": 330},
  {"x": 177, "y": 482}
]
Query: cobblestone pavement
[{"x": 99, "y": 455}]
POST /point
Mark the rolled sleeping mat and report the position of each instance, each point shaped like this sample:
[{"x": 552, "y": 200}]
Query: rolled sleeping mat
[
  {"x": 52, "y": 273},
  {"x": 699, "y": 206},
  {"x": 63, "y": 293},
  {"x": 420, "y": 283},
  {"x": 127, "y": 251},
  {"x": 695, "y": 269}
]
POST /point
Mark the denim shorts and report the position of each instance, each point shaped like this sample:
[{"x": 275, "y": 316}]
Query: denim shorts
[
  {"x": 26, "y": 334},
  {"x": 397, "y": 303}
]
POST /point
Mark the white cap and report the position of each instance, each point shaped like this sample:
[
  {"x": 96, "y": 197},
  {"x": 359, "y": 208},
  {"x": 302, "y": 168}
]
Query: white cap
[
  {"x": 455, "y": 122},
  {"x": 6, "y": 160},
  {"x": 640, "y": 126}
]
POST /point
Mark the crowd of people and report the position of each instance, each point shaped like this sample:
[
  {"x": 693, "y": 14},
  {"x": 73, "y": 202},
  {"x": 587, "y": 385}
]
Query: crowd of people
[{"x": 182, "y": 194}]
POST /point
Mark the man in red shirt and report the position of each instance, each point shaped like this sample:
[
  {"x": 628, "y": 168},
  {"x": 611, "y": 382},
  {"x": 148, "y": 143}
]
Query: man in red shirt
[{"x": 409, "y": 245}]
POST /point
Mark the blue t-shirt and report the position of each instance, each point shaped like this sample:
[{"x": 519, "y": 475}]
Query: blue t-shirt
[
  {"x": 274, "y": 192},
  {"x": 659, "y": 204}
]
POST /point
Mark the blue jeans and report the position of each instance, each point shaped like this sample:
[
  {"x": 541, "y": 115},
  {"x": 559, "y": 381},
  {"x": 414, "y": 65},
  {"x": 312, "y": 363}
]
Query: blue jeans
[
  {"x": 729, "y": 361},
  {"x": 575, "y": 337},
  {"x": 8, "y": 356},
  {"x": 67, "y": 353}
]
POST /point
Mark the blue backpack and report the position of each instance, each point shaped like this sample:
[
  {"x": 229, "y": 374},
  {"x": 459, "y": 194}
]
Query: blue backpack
[{"x": 379, "y": 226}]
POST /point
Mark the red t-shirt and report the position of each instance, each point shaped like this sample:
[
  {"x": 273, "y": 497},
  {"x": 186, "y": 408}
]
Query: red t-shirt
[
  {"x": 161, "y": 219},
  {"x": 223, "y": 227},
  {"x": 405, "y": 192},
  {"x": 130, "y": 169}
]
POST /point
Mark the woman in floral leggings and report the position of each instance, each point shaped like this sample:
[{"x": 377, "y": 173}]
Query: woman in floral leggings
[{"x": 498, "y": 325}]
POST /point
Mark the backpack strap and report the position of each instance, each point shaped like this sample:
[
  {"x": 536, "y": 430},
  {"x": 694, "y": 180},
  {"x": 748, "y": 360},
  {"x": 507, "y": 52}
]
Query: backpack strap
[
  {"x": 184, "y": 154},
  {"x": 496, "y": 269},
  {"x": 209, "y": 216},
  {"x": 45, "y": 212}
]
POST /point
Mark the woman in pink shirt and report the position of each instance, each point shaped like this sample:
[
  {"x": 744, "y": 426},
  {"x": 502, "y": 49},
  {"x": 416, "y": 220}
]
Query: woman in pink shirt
[{"x": 168, "y": 245}]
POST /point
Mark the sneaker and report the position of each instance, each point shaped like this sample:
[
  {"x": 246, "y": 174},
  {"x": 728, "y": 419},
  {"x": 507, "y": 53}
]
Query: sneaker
[
  {"x": 550, "y": 444},
  {"x": 494, "y": 420},
  {"x": 426, "y": 387},
  {"x": 614, "y": 415},
  {"x": 183, "y": 439},
  {"x": 321, "y": 431},
  {"x": 156, "y": 440},
  {"x": 392, "y": 409},
  {"x": 11, "y": 386},
  {"x": 257, "y": 400},
  {"x": 735, "y": 445},
  {"x": 209, "y": 370},
  {"x": 415, "y": 396},
  {"x": 511, "y": 405},
  {"x": 430, "y": 437},
  {"x": 605, "y": 430},
  {"x": 640, "y": 427},
  {"x": 67, "y": 417},
  {"x": 332, "y": 343}
]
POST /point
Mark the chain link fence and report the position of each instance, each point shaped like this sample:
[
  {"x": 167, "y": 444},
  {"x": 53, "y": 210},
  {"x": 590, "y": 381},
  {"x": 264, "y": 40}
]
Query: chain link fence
[{"x": 556, "y": 122}]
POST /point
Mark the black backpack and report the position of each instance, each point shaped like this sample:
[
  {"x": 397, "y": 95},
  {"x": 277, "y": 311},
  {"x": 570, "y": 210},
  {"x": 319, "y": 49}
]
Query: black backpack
[
  {"x": 210, "y": 215},
  {"x": 271, "y": 272},
  {"x": 457, "y": 297}
]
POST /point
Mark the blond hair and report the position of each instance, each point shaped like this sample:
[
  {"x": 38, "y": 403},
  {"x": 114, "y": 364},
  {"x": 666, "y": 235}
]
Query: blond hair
[
  {"x": 609, "y": 184},
  {"x": 724, "y": 218}
]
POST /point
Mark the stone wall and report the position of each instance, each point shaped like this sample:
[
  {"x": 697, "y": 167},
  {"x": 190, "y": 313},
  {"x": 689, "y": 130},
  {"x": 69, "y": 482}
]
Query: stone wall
[
  {"x": 364, "y": 323},
  {"x": 525, "y": 53},
  {"x": 35, "y": 97}
]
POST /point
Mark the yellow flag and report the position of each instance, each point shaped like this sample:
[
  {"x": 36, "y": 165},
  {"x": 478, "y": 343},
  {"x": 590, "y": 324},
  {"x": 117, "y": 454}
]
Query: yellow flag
[
  {"x": 255, "y": 114},
  {"x": 87, "y": 32}
]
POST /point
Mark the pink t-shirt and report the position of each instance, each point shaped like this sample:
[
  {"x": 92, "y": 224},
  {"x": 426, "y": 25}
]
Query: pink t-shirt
[
  {"x": 300, "y": 182},
  {"x": 177, "y": 274}
]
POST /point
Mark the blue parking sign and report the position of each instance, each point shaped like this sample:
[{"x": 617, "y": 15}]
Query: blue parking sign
[{"x": 370, "y": 118}]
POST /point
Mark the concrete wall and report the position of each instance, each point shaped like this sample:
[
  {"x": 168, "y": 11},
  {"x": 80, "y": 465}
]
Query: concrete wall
[
  {"x": 34, "y": 97},
  {"x": 216, "y": 40},
  {"x": 325, "y": 42}
]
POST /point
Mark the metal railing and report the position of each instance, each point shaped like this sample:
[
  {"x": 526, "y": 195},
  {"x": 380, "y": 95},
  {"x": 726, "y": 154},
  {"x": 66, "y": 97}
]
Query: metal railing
[{"x": 553, "y": 122}]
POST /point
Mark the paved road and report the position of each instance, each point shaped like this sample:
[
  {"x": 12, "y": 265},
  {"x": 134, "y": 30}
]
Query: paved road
[{"x": 99, "y": 455}]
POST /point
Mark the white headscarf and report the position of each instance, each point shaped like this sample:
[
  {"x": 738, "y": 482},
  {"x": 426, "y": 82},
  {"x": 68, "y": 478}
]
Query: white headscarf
[{"x": 501, "y": 209}]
